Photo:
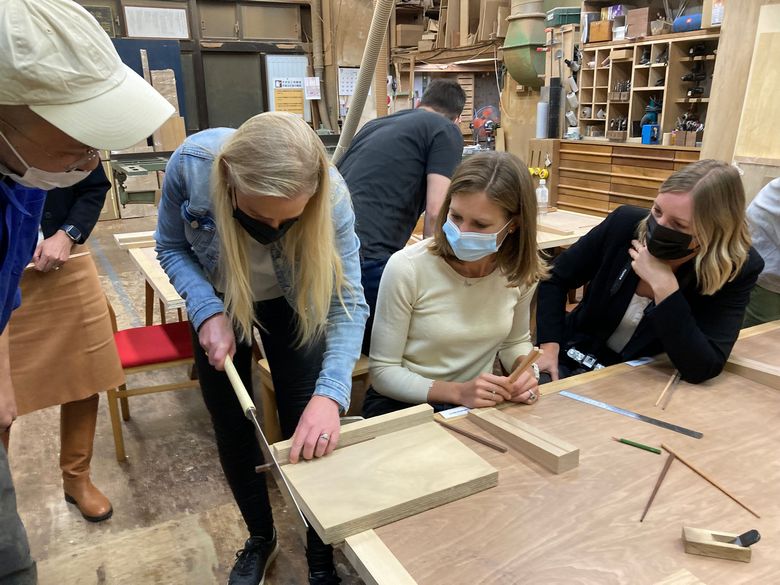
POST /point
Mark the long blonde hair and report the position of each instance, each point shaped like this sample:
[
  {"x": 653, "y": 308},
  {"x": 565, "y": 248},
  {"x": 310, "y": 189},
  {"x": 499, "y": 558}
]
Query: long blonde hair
[
  {"x": 278, "y": 155},
  {"x": 506, "y": 182},
  {"x": 719, "y": 223}
]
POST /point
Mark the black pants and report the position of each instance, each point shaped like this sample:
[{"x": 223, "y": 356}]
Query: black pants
[
  {"x": 370, "y": 276},
  {"x": 376, "y": 404},
  {"x": 294, "y": 372}
]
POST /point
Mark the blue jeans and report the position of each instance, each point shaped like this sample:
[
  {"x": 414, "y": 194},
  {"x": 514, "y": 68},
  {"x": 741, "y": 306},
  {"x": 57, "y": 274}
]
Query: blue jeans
[{"x": 16, "y": 565}]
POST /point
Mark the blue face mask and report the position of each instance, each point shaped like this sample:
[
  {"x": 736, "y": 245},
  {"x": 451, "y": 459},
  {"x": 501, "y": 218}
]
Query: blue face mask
[{"x": 471, "y": 246}]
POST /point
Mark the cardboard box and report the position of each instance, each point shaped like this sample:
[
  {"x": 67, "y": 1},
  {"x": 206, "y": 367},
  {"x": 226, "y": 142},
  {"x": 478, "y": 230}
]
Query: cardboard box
[
  {"x": 600, "y": 30},
  {"x": 408, "y": 35},
  {"x": 621, "y": 54},
  {"x": 638, "y": 22}
]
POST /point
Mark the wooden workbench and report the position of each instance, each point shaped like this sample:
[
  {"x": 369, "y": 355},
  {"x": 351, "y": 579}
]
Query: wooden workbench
[{"x": 582, "y": 526}]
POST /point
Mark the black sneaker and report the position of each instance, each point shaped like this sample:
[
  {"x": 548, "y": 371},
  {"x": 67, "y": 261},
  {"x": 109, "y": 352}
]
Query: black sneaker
[
  {"x": 253, "y": 561},
  {"x": 324, "y": 578}
]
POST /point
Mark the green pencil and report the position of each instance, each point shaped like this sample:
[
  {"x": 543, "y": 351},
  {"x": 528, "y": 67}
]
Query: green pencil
[{"x": 638, "y": 445}]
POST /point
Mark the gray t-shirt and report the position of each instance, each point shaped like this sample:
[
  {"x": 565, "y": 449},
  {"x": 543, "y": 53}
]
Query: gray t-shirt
[
  {"x": 763, "y": 216},
  {"x": 386, "y": 169}
]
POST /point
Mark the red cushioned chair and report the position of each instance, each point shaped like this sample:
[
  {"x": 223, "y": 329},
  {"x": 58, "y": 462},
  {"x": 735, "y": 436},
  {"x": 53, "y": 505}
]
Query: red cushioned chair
[{"x": 142, "y": 349}]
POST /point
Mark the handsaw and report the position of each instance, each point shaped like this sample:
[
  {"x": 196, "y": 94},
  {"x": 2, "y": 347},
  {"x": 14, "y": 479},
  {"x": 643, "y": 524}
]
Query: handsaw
[{"x": 251, "y": 413}]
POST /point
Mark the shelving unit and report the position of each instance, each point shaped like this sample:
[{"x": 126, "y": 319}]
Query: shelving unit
[{"x": 655, "y": 69}]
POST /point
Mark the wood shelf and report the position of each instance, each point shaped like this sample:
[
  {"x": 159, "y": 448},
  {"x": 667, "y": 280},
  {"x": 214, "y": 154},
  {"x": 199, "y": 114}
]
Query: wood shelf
[
  {"x": 652, "y": 88},
  {"x": 593, "y": 119},
  {"x": 698, "y": 58},
  {"x": 692, "y": 100},
  {"x": 658, "y": 64},
  {"x": 602, "y": 87}
]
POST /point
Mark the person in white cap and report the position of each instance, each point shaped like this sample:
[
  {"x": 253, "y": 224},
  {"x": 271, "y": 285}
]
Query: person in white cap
[{"x": 64, "y": 94}]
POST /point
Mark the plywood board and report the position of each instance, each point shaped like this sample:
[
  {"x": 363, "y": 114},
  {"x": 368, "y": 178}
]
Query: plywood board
[
  {"x": 453, "y": 24},
  {"x": 400, "y": 474},
  {"x": 761, "y": 103},
  {"x": 170, "y": 135},
  {"x": 583, "y": 526},
  {"x": 756, "y": 355}
]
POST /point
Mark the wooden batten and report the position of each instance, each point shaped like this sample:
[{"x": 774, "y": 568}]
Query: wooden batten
[
  {"x": 551, "y": 452},
  {"x": 368, "y": 429}
]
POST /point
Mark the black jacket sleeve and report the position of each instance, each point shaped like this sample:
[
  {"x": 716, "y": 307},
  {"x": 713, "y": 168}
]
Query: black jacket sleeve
[
  {"x": 698, "y": 333},
  {"x": 79, "y": 205}
]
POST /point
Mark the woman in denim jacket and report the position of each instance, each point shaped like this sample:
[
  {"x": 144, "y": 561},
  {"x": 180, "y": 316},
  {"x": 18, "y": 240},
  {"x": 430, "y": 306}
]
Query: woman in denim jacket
[{"x": 254, "y": 227}]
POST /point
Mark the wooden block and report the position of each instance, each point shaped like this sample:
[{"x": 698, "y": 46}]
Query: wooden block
[
  {"x": 549, "y": 451},
  {"x": 368, "y": 429},
  {"x": 763, "y": 373},
  {"x": 374, "y": 562},
  {"x": 710, "y": 543},
  {"x": 391, "y": 477}
]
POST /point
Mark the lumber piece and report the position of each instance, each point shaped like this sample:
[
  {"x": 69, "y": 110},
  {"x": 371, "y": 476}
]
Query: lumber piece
[
  {"x": 766, "y": 374},
  {"x": 386, "y": 479},
  {"x": 551, "y": 452},
  {"x": 360, "y": 431},
  {"x": 711, "y": 543},
  {"x": 374, "y": 562}
]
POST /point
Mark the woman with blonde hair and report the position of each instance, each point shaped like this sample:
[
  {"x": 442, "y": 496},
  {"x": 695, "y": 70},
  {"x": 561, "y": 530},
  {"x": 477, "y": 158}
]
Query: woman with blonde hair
[
  {"x": 675, "y": 279},
  {"x": 449, "y": 304},
  {"x": 255, "y": 228}
]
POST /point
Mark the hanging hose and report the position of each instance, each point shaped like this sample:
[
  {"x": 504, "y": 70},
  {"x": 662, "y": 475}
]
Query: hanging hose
[
  {"x": 376, "y": 35},
  {"x": 317, "y": 60}
]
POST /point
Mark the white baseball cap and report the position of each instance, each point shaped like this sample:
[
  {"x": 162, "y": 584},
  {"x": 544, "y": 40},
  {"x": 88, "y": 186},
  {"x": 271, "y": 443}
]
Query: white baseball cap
[{"x": 56, "y": 59}]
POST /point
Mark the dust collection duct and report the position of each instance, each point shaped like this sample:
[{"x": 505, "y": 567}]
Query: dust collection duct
[{"x": 524, "y": 35}]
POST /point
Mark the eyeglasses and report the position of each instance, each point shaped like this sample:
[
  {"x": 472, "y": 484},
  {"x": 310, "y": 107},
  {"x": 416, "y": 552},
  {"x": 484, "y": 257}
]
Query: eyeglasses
[{"x": 89, "y": 154}]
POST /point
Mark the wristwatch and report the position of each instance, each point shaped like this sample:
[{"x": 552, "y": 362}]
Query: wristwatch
[{"x": 72, "y": 232}]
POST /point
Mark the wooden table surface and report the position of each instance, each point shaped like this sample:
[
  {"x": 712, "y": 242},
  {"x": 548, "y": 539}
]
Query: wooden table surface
[
  {"x": 583, "y": 526},
  {"x": 563, "y": 228}
]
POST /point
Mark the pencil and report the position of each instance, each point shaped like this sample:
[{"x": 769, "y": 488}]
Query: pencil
[
  {"x": 672, "y": 382},
  {"x": 638, "y": 445}
]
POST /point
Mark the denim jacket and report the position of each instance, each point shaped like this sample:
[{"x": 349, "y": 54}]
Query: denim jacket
[{"x": 188, "y": 250}]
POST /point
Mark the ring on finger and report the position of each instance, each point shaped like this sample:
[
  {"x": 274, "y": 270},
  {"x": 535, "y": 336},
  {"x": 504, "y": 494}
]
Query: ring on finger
[
  {"x": 531, "y": 395},
  {"x": 324, "y": 437}
]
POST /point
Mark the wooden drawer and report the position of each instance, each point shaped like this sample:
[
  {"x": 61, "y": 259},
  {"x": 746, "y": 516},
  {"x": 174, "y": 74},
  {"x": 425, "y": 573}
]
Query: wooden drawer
[
  {"x": 643, "y": 152},
  {"x": 689, "y": 155},
  {"x": 584, "y": 147},
  {"x": 632, "y": 190},
  {"x": 590, "y": 200},
  {"x": 587, "y": 157},
  {"x": 568, "y": 206},
  {"x": 597, "y": 183},
  {"x": 647, "y": 163},
  {"x": 634, "y": 181},
  {"x": 642, "y": 172},
  {"x": 584, "y": 166},
  {"x": 615, "y": 200}
]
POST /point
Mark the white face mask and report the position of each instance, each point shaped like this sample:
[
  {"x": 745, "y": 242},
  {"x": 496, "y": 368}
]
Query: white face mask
[
  {"x": 472, "y": 246},
  {"x": 40, "y": 179}
]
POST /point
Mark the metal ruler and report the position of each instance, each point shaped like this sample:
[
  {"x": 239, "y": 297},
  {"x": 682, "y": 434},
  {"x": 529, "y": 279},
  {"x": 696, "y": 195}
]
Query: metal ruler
[{"x": 630, "y": 414}]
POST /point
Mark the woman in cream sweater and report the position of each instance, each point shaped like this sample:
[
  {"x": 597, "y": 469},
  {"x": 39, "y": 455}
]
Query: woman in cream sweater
[{"x": 449, "y": 304}]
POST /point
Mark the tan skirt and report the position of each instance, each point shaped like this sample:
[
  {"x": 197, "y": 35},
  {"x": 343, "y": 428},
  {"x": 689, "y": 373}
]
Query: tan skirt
[{"x": 62, "y": 344}]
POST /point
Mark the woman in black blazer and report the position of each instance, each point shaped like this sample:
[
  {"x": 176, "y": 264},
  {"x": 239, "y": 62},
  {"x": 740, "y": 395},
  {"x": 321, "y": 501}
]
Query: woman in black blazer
[{"x": 676, "y": 280}]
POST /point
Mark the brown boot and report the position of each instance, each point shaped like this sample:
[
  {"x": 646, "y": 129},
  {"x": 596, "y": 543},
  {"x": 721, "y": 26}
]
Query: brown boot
[{"x": 77, "y": 433}]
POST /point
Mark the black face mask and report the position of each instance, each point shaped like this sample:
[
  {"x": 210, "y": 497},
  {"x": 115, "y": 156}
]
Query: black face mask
[
  {"x": 259, "y": 231},
  {"x": 665, "y": 243}
]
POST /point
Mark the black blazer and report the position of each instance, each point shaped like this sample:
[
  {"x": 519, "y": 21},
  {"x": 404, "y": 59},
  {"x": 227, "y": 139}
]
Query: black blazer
[
  {"x": 696, "y": 331},
  {"x": 79, "y": 205}
]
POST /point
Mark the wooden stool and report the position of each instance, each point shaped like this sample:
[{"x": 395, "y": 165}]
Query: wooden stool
[{"x": 271, "y": 428}]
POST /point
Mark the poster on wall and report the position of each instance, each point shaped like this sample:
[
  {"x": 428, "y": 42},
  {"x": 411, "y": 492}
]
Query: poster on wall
[
  {"x": 288, "y": 95},
  {"x": 156, "y": 23},
  {"x": 311, "y": 88}
]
